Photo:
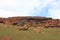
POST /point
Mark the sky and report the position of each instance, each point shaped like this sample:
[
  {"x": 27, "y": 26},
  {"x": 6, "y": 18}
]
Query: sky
[{"x": 46, "y": 8}]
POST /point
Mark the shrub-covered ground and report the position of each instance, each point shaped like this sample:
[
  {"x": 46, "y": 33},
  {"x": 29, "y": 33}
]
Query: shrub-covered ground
[{"x": 16, "y": 34}]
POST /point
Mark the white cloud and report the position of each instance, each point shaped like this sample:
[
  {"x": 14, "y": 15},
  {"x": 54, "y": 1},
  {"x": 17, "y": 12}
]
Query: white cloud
[
  {"x": 29, "y": 7},
  {"x": 54, "y": 10},
  {"x": 4, "y": 13},
  {"x": 17, "y": 7},
  {"x": 7, "y": 8},
  {"x": 7, "y": 3},
  {"x": 54, "y": 13}
]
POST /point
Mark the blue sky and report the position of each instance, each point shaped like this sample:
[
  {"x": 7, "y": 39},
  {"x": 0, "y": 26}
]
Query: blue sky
[{"x": 47, "y": 8}]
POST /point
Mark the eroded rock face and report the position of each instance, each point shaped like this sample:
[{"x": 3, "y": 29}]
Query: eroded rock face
[
  {"x": 1, "y": 20},
  {"x": 31, "y": 21}
]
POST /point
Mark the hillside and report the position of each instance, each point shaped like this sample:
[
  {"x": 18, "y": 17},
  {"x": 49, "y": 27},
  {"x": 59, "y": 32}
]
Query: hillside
[
  {"x": 13, "y": 33},
  {"x": 29, "y": 28},
  {"x": 30, "y": 21}
]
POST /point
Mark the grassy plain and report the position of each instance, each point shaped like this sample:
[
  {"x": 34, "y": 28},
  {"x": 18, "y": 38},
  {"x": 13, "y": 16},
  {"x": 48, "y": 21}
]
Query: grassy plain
[{"x": 45, "y": 33}]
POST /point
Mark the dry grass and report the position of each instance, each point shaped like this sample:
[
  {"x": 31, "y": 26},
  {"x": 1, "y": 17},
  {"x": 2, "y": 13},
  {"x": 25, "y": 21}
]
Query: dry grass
[{"x": 44, "y": 34}]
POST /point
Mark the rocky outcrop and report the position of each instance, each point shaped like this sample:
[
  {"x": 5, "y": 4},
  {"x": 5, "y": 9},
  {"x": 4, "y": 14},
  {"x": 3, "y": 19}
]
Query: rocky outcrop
[{"x": 31, "y": 21}]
